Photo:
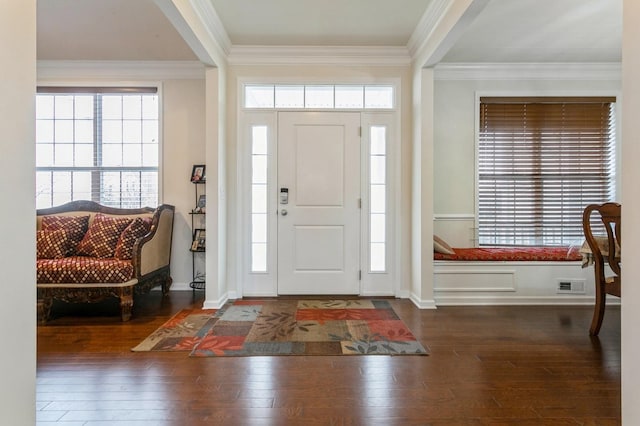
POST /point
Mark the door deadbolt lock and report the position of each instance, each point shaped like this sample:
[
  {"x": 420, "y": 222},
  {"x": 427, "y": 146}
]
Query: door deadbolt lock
[
  {"x": 284, "y": 195},
  {"x": 284, "y": 212}
]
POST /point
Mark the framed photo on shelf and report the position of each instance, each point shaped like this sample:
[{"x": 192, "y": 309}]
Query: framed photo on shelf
[
  {"x": 198, "y": 173},
  {"x": 201, "y": 206},
  {"x": 199, "y": 240}
]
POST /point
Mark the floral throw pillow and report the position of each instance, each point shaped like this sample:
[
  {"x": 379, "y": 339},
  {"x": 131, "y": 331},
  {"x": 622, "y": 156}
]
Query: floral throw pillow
[
  {"x": 53, "y": 244},
  {"x": 75, "y": 226},
  {"x": 102, "y": 236},
  {"x": 139, "y": 227}
]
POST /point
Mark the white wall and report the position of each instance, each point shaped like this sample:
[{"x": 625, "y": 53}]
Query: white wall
[
  {"x": 183, "y": 146},
  {"x": 17, "y": 218},
  {"x": 630, "y": 213},
  {"x": 455, "y": 121}
]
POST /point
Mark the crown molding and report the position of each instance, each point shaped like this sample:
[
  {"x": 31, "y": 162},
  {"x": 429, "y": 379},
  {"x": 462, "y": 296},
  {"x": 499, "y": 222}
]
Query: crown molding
[
  {"x": 319, "y": 55},
  {"x": 120, "y": 70},
  {"x": 427, "y": 23},
  {"x": 211, "y": 20},
  {"x": 529, "y": 71}
]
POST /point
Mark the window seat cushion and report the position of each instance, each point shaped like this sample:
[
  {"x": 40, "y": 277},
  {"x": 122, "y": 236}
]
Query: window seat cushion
[
  {"x": 82, "y": 270},
  {"x": 540, "y": 254}
]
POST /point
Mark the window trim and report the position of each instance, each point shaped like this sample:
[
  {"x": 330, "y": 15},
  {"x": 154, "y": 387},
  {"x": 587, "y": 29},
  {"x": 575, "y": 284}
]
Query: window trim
[{"x": 534, "y": 94}]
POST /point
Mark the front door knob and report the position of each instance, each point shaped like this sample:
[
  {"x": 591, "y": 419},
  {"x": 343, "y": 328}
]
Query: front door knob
[{"x": 283, "y": 212}]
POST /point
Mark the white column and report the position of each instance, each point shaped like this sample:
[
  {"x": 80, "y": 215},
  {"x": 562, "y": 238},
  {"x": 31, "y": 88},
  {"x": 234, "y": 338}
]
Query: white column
[
  {"x": 630, "y": 213},
  {"x": 216, "y": 256},
  {"x": 422, "y": 190},
  {"x": 17, "y": 217}
]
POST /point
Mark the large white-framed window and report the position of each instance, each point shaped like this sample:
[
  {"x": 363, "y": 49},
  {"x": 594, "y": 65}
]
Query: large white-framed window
[
  {"x": 541, "y": 161},
  {"x": 97, "y": 143}
]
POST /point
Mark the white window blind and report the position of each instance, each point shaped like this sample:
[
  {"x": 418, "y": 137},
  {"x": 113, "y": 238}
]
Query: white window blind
[
  {"x": 97, "y": 144},
  {"x": 540, "y": 162}
]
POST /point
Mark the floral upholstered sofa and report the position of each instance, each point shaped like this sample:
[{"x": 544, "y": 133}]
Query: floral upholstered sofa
[{"x": 87, "y": 252}]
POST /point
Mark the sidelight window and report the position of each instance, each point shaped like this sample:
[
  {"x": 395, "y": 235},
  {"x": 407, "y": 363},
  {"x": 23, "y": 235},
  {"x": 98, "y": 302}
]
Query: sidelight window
[
  {"x": 259, "y": 196},
  {"x": 377, "y": 198}
]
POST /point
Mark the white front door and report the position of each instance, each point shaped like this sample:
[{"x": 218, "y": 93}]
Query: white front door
[{"x": 319, "y": 226}]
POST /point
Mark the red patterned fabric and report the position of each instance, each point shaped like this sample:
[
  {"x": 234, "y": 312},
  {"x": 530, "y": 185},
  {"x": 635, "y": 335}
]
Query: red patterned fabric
[
  {"x": 138, "y": 227},
  {"x": 554, "y": 254},
  {"x": 79, "y": 269},
  {"x": 102, "y": 236},
  {"x": 76, "y": 227},
  {"x": 53, "y": 244}
]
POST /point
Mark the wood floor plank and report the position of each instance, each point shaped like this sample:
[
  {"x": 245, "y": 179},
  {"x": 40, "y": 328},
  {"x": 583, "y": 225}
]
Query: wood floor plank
[{"x": 533, "y": 365}]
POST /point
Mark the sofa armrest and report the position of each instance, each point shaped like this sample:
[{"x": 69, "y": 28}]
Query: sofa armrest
[{"x": 153, "y": 251}]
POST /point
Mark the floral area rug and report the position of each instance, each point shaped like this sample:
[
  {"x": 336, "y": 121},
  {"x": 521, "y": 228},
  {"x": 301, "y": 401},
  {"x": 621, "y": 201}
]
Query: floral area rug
[{"x": 287, "y": 327}]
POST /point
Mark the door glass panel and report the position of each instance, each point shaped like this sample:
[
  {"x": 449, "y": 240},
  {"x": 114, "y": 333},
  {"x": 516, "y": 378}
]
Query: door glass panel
[
  {"x": 258, "y": 96},
  {"x": 258, "y": 257},
  {"x": 377, "y": 198},
  {"x": 349, "y": 96},
  {"x": 259, "y": 202},
  {"x": 325, "y": 96},
  {"x": 289, "y": 96},
  {"x": 378, "y": 97},
  {"x": 378, "y": 259},
  {"x": 318, "y": 97}
]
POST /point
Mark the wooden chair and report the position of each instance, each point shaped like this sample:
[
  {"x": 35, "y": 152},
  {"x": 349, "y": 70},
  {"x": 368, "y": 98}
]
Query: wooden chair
[{"x": 606, "y": 252}]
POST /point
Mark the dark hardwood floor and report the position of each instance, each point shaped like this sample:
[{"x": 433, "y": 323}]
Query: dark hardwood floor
[{"x": 488, "y": 366}]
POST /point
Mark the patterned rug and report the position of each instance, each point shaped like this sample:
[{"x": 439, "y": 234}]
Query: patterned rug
[{"x": 287, "y": 327}]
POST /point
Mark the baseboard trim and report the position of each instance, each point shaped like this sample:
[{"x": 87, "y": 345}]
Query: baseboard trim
[
  {"x": 519, "y": 301},
  {"x": 180, "y": 286},
  {"x": 422, "y": 304},
  {"x": 215, "y": 304}
]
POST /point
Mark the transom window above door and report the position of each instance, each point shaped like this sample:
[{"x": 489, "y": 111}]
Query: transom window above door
[{"x": 319, "y": 96}]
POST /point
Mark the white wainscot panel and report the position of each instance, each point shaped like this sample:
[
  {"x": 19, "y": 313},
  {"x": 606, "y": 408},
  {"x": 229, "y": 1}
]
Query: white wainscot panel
[
  {"x": 512, "y": 283},
  {"x": 475, "y": 280}
]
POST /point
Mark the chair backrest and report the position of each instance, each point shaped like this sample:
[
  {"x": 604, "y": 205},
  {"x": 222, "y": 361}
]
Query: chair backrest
[{"x": 604, "y": 249}]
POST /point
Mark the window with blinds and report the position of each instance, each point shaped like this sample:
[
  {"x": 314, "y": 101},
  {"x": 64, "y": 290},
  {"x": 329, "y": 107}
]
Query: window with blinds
[
  {"x": 540, "y": 162},
  {"x": 97, "y": 144}
]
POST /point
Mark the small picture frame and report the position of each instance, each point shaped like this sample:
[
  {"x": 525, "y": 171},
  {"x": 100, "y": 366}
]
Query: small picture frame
[
  {"x": 202, "y": 201},
  {"x": 198, "y": 173},
  {"x": 199, "y": 240}
]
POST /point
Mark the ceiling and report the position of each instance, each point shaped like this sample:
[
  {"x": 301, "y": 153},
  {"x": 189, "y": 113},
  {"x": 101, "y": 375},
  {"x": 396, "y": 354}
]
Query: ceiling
[
  {"x": 504, "y": 31},
  {"x": 320, "y": 23}
]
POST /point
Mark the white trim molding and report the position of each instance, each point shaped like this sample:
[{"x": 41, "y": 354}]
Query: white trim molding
[
  {"x": 209, "y": 16},
  {"x": 529, "y": 71},
  {"x": 422, "y": 304},
  {"x": 454, "y": 216},
  {"x": 560, "y": 300},
  {"x": 120, "y": 70},
  {"x": 319, "y": 55},
  {"x": 428, "y": 22},
  {"x": 215, "y": 304}
]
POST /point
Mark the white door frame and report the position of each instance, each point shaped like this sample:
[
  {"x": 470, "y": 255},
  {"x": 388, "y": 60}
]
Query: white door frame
[{"x": 264, "y": 284}]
